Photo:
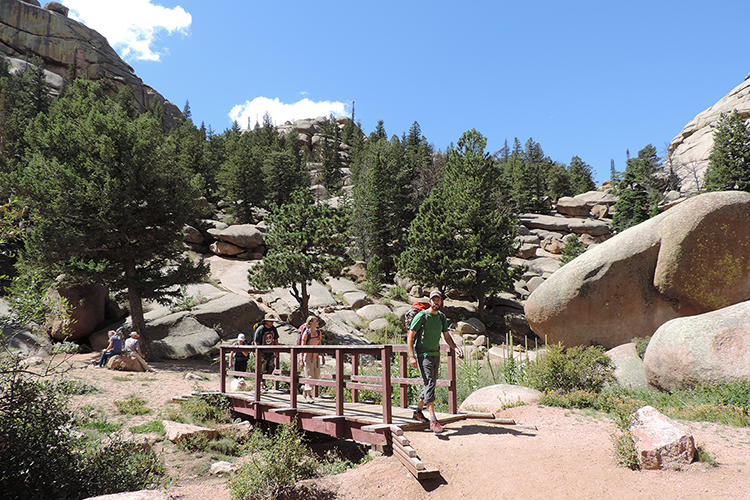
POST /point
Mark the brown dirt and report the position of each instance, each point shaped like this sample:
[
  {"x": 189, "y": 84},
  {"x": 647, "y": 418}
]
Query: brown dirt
[{"x": 569, "y": 456}]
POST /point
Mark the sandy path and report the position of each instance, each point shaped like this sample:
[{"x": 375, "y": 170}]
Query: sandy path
[{"x": 569, "y": 456}]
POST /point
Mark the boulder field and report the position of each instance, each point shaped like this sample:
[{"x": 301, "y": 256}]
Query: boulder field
[{"x": 692, "y": 259}]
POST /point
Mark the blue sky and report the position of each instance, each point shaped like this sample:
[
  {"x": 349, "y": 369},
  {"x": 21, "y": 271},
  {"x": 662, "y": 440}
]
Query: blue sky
[{"x": 582, "y": 78}]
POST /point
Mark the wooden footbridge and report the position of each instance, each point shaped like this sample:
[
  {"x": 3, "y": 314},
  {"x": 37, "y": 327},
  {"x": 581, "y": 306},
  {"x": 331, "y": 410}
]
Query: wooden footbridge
[{"x": 342, "y": 415}]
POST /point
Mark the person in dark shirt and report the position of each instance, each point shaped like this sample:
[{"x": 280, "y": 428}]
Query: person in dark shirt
[
  {"x": 266, "y": 334},
  {"x": 113, "y": 348}
]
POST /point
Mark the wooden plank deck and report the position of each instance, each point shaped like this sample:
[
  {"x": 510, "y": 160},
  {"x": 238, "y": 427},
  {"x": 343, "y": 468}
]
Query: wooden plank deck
[{"x": 363, "y": 418}]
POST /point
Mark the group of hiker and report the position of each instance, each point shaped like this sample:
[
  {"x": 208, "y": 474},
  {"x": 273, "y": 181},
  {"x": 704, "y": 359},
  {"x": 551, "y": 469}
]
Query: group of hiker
[
  {"x": 266, "y": 334},
  {"x": 423, "y": 340},
  {"x": 115, "y": 347}
]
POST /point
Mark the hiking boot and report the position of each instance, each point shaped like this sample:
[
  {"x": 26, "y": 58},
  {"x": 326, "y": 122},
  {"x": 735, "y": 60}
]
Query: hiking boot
[
  {"x": 436, "y": 427},
  {"x": 419, "y": 417}
]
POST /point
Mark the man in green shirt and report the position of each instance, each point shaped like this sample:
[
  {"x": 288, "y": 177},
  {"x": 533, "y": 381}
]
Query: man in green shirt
[{"x": 424, "y": 353}]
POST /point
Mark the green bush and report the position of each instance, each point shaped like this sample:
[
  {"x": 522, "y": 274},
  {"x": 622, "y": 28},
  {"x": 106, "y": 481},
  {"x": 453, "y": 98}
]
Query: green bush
[
  {"x": 573, "y": 248},
  {"x": 641, "y": 343},
  {"x": 276, "y": 464},
  {"x": 398, "y": 293},
  {"x": 371, "y": 288},
  {"x": 208, "y": 408},
  {"x": 194, "y": 443},
  {"x": 40, "y": 457},
  {"x": 43, "y": 458},
  {"x": 586, "y": 368},
  {"x": 626, "y": 452},
  {"x": 122, "y": 466}
]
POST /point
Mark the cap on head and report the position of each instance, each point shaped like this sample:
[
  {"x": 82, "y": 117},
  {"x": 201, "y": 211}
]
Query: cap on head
[
  {"x": 270, "y": 317},
  {"x": 435, "y": 293},
  {"x": 241, "y": 336},
  {"x": 134, "y": 334}
]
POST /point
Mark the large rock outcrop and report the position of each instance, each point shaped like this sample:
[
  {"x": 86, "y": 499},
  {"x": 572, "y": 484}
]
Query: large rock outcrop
[
  {"x": 27, "y": 31},
  {"x": 691, "y": 259},
  {"x": 688, "y": 152},
  {"x": 707, "y": 348}
]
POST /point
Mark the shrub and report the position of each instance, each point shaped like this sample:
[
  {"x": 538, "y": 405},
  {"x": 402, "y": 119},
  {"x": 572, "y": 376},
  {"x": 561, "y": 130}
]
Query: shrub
[
  {"x": 39, "y": 456},
  {"x": 186, "y": 302},
  {"x": 231, "y": 442},
  {"x": 641, "y": 343},
  {"x": 626, "y": 452},
  {"x": 208, "y": 408},
  {"x": 193, "y": 443},
  {"x": 122, "y": 466},
  {"x": 277, "y": 463},
  {"x": 586, "y": 368},
  {"x": 573, "y": 248},
  {"x": 372, "y": 288},
  {"x": 398, "y": 293}
]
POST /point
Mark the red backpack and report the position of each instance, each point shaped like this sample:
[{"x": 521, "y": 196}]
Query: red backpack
[{"x": 416, "y": 308}]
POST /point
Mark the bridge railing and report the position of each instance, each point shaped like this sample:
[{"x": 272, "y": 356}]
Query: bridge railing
[{"x": 340, "y": 380}]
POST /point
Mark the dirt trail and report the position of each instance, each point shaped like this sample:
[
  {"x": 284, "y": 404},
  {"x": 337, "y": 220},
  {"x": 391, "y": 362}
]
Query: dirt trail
[{"x": 569, "y": 456}]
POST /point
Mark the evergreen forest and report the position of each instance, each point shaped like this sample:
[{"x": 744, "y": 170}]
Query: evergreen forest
[{"x": 94, "y": 191}]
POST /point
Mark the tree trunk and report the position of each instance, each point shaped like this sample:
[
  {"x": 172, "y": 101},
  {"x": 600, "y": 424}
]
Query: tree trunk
[
  {"x": 304, "y": 305},
  {"x": 136, "y": 309},
  {"x": 481, "y": 306}
]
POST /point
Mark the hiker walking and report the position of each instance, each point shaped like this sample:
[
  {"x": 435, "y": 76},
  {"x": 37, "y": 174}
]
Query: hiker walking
[
  {"x": 266, "y": 334},
  {"x": 424, "y": 352},
  {"x": 238, "y": 359},
  {"x": 311, "y": 361}
]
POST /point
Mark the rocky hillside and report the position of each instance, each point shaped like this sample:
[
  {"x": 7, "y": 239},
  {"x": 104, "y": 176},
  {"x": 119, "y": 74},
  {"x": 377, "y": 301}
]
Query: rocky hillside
[
  {"x": 28, "y": 30},
  {"x": 688, "y": 152}
]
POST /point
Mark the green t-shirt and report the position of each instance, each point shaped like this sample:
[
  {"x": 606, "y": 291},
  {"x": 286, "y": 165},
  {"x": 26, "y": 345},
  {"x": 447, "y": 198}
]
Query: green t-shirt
[{"x": 428, "y": 344}]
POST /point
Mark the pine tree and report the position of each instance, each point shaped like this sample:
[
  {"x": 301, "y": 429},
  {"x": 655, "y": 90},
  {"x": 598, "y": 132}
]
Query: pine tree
[
  {"x": 111, "y": 199},
  {"x": 285, "y": 172},
  {"x": 559, "y": 182},
  {"x": 383, "y": 206},
  {"x": 329, "y": 156},
  {"x": 637, "y": 196},
  {"x": 581, "y": 179},
  {"x": 304, "y": 246},
  {"x": 241, "y": 175},
  {"x": 462, "y": 236},
  {"x": 729, "y": 159}
]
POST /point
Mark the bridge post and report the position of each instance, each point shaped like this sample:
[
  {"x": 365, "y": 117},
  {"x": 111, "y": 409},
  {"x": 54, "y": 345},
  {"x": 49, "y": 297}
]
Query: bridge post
[
  {"x": 403, "y": 388},
  {"x": 222, "y": 371},
  {"x": 385, "y": 360},
  {"x": 339, "y": 382},
  {"x": 258, "y": 374},
  {"x": 294, "y": 378},
  {"x": 355, "y": 371},
  {"x": 452, "y": 391}
]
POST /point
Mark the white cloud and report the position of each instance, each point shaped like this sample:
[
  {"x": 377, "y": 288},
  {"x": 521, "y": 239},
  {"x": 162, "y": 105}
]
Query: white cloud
[
  {"x": 130, "y": 28},
  {"x": 251, "y": 112}
]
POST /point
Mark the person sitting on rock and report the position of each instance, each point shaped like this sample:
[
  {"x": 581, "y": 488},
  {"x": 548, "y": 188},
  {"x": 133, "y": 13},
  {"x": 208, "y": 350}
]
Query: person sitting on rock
[
  {"x": 113, "y": 348},
  {"x": 133, "y": 347}
]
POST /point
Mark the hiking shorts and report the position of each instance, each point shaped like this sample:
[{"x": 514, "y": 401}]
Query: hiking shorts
[
  {"x": 429, "y": 366},
  {"x": 267, "y": 364}
]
